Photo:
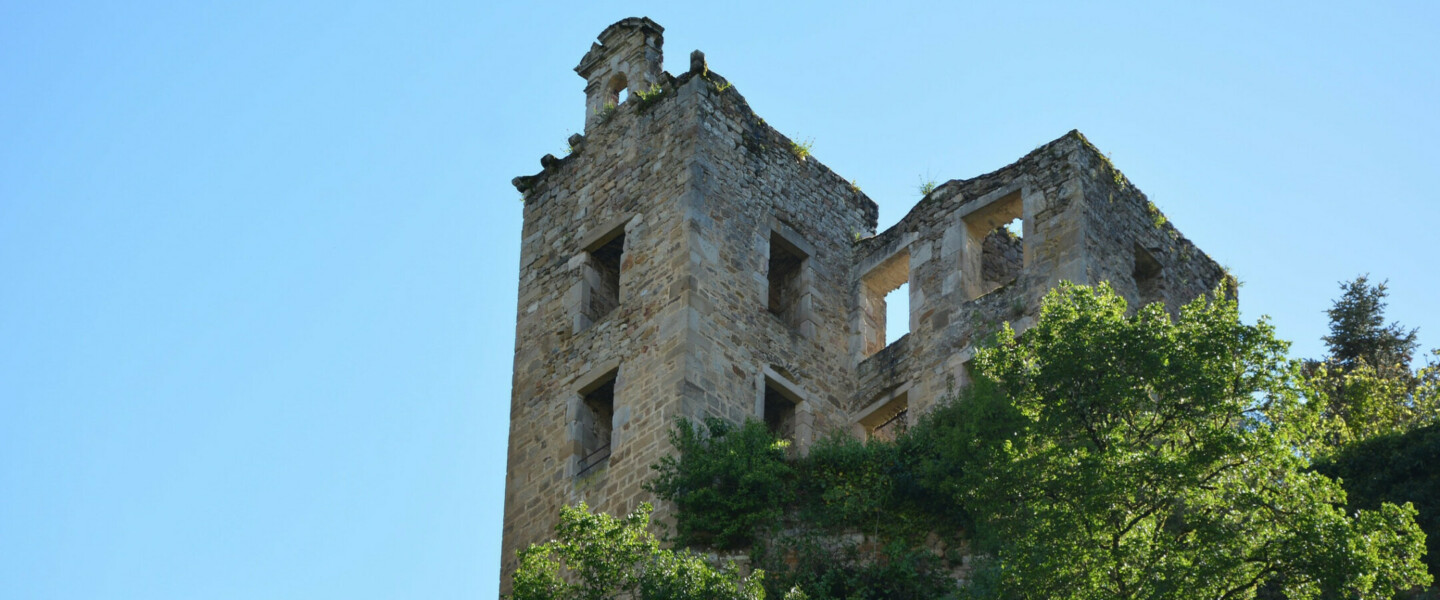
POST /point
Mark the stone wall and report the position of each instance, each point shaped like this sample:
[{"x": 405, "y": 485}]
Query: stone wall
[
  {"x": 687, "y": 260},
  {"x": 1082, "y": 221},
  {"x": 753, "y": 192},
  {"x": 626, "y": 176}
]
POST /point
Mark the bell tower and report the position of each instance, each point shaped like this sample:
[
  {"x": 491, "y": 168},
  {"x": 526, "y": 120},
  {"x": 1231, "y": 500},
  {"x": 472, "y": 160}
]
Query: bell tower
[{"x": 626, "y": 59}]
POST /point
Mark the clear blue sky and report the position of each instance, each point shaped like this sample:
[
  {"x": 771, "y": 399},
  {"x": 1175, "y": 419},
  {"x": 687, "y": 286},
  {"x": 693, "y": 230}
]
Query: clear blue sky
[{"x": 259, "y": 258}]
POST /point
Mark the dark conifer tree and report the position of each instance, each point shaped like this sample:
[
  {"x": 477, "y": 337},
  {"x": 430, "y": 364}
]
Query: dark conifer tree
[{"x": 1358, "y": 332}]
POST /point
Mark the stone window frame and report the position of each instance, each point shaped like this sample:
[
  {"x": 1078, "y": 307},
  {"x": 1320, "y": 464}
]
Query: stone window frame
[
  {"x": 867, "y": 324},
  {"x": 881, "y": 410},
  {"x": 575, "y": 411},
  {"x": 801, "y": 316},
  {"x": 578, "y": 299},
  {"x": 804, "y": 409},
  {"x": 1148, "y": 275},
  {"x": 983, "y": 215}
]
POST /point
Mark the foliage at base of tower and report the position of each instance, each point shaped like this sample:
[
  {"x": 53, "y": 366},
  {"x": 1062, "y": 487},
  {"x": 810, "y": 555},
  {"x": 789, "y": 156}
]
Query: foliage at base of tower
[
  {"x": 1115, "y": 457},
  {"x": 843, "y": 521},
  {"x": 597, "y": 556},
  {"x": 735, "y": 480},
  {"x": 1096, "y": 456}
]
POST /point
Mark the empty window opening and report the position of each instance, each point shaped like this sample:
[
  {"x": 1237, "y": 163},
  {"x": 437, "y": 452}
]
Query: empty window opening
[
  {"x": 602, "y": 275},
  {"x": 995, "y": 251},
  {"x": 1148, "y": 280},
  {"x": 779, "y": 410},
  {"x": 897, "y": 313},
  {"x": 597, "y": 411},
  {"x": 887, "y": 280},
  {"x": 1002, "y": 255},
  {"x": 787, "y": 264},
  {"x": 890, "y": 420}
]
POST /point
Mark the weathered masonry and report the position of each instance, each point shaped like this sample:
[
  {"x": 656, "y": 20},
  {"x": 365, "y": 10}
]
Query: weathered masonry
[{"x": 685, "y": 261}]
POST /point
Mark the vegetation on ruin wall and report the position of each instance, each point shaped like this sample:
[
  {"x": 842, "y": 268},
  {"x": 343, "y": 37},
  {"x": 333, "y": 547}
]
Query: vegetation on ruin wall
[
  {"x": 847, "y": 520},
  {"x": 1096, "y": 456}
]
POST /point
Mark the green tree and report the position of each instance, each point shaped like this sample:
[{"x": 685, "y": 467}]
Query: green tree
[
  {"x": 1364, "y": 387},
  {"x": 598, "y": 557},
  {"x": 1398, "y": 467},
  {"x": 1114, "y": 457},
  {"x": 1359, "y": 335}
]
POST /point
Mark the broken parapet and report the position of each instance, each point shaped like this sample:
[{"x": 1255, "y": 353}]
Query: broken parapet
[{"x": 983, "y": 251}]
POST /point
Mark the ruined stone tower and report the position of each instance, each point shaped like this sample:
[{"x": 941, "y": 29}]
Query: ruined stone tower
[{"x": 687, "y": 260}]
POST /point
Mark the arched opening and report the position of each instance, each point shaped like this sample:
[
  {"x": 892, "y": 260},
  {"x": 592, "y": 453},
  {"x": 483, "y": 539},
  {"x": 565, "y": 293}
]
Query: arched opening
[{"x": 616, "y": 90}]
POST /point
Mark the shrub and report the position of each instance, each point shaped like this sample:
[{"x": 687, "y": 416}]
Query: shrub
[
  {"x": 727, "y": 481},
  {"x": 801, "y": 148}
]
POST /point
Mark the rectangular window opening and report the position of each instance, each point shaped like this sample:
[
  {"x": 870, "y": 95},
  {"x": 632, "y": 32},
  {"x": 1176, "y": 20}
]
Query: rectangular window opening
[
  {"x": 1147, "y": 273},
  {"x": 890, "y": 420},
  {"x": 997, "y": 241},
  {"x": 897, "y": 313},
  {"x": 787, "y": 263},
  {"x": 888, "y": 280},
  {"x": 597, "y": 411},
  {"x": 604, "y": 275},
  {"x": 1002, "y": 254},
  {"x": 779, "y": 411}
]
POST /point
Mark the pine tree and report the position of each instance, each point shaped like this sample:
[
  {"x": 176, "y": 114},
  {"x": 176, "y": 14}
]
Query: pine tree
[
  {"x": 1365, "y": 387},
  {"x": 1358, "y": 333}
]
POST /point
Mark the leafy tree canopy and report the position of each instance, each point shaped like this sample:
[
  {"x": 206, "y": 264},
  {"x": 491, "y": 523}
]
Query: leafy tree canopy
[
  {"x": 735, "y": 488},
  {"x": 1096, "y": 456},
  {"x": 734, "y": 480},
  {"x": 1397, "y": 467},
  {"x": 1141, "y": 457}
]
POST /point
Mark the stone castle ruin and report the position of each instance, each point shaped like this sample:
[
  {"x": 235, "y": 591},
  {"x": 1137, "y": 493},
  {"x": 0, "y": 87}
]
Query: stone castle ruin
[{"x": 688, "y": 260}]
